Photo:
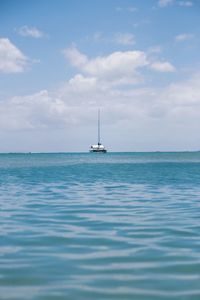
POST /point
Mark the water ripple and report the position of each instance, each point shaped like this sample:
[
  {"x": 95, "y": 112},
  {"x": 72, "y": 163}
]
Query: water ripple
[{"x": 120, "y": 226}]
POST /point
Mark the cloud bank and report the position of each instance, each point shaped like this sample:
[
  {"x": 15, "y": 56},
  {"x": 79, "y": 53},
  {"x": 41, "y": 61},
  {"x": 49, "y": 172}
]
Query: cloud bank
[{"x": 101, "y": 82}]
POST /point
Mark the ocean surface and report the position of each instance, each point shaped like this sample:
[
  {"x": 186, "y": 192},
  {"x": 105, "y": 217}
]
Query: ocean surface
[{"x": 100, "y": 226}]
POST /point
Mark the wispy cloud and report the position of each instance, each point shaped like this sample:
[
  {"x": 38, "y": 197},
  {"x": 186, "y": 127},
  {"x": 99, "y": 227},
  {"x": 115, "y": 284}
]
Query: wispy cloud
[
  {"x": 186, "y": 3},
  {"x": 184, "y": 37},
  {"x": 98, "y": 37},
  {"x": 12, "y": 60},
  {"x": 130, "y": 9},
  {"x": 124, "y": 39},
  {"x": 30, "y": 32},
  {"x": 163, "y": 66},
  {"x": 165, "y": 3},
  {"x": 155, "y": 49}
]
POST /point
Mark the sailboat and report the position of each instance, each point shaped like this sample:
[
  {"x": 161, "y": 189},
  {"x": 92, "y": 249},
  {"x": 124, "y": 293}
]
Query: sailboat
[{"x": 99, "y": 147}]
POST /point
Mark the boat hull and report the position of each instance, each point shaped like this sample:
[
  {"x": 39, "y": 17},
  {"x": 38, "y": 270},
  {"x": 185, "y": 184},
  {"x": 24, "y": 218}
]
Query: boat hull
[{"x": 98, "y": 151}]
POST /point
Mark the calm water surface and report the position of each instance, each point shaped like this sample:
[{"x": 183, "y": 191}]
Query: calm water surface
[{"x": 100, "y": 226}]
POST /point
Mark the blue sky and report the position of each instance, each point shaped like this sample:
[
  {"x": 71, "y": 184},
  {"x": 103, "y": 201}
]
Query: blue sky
[{"x": 138, "y": 61}]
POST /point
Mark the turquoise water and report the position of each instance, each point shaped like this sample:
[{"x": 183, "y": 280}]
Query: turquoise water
[{"x": 100, "y": 226}]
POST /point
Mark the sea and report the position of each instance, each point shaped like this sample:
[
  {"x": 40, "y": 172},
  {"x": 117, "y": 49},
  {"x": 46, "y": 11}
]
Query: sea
[{"x": 81, "y": 226}]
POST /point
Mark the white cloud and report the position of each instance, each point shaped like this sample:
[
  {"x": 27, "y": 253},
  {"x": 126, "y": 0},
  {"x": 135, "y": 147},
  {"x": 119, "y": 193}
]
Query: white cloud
[
  {"x": 185, "y": 93},
  {"x": 39, "y": 110},
  {"x": 165, "y": 3},
  {"x": 124, "y": 39},
  {"x": 81, "y": 83},
  {"x": 12, "y": 60},
  {"x": 184, "y": 37},
  {"x": 186, "y": 3},
  {"x": 163, "y": 67},
  {"x": 75, "y": 57},
  {"x": 116, "y": 67},
  {"x": 30, "y": 32}
]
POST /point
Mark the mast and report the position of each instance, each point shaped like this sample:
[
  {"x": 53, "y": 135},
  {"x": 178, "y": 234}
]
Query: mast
[{"x": 99, "y": 127}]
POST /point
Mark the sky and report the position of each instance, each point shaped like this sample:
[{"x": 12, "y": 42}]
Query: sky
[{"x": 137, "y": 61}]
